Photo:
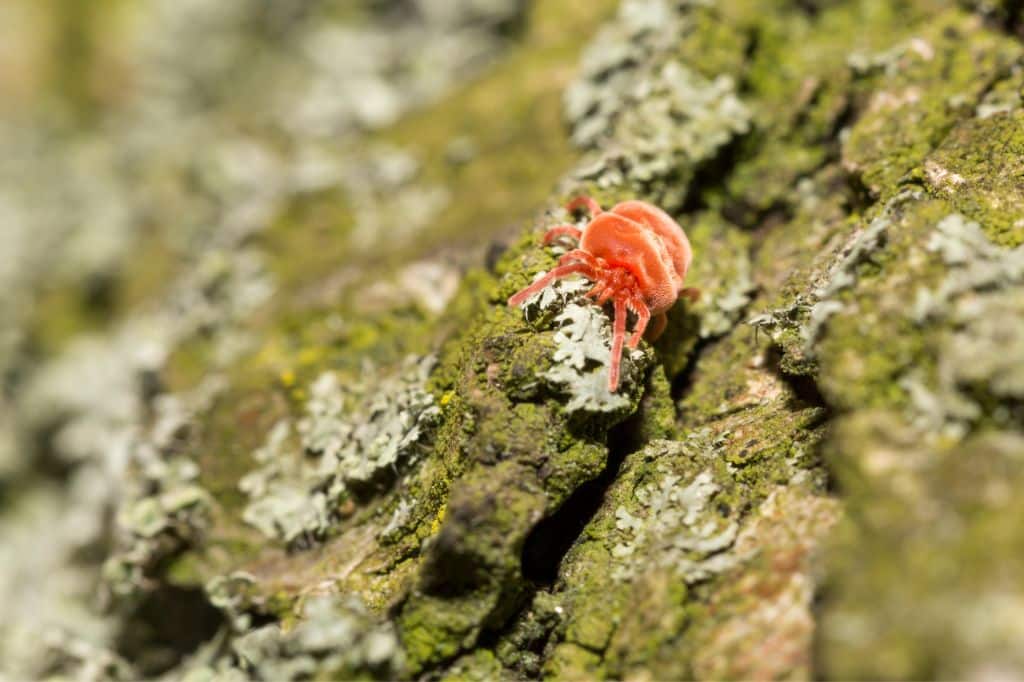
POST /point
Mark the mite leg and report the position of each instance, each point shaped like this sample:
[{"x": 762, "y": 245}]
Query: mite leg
[
  {"x": 690, "y": 294},
  {"x": 520, "y": 297},
  {"x": 657, "y": 326},
  {"x": 610, "y": 290},
  {"x": 643, "y": 316},
  {"x": 580, "y": 256},
  {"x": 562, "y": 231},
  {"x": 618, "y": 336},
  {"x": 584, "y": 202}
]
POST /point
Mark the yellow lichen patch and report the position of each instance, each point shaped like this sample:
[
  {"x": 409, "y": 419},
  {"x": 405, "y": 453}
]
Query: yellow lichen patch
[{"x": 435, "y": 525}]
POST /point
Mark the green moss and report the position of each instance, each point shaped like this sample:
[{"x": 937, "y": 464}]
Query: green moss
[
  {"x": 511, "y": 454},
  {"x": 979, "y": 169},
  {"x": 656, "y": 416},
  {"x": 570, "y": 661},
  {"x": 713, "y": 388},
  {"x": 719, "y": 38},
  {"x": 872, "y": 341},
  {"x": 307, "y": 239},
  {"x": 902, "y": 495},
  {"x": 432, "y": 631},
  {"x": 66, "y": 309},
  {"x": 78, "y": 32},
  {"x": 480, "y": 666},
  {"x": 920, "y": 96},
  {"x": 646, "y": 638},
  {"x": 61, "y": 313}
]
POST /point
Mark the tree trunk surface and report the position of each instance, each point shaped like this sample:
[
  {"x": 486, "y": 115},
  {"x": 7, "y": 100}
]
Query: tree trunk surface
[{"x": 267, "y": 414}]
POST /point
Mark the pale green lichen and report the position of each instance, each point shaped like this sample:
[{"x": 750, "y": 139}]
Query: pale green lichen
[
  {"x": 351, "y": 438},
  {"x": 808, "y": 314},
  {"x": 385, "y": 431},
  {"x": 284, "y": 502},
  {"x": 677, "y": 527},
  {"x": 986, "y": 350},
  {"x": 582, "y": 356},
  {"x": 229, "y": 594},
  {"x": 975, "y": 264},
  {"x": 647, "y": 116},
  {"x": 981, "y": 351},
  {"x": 672, "y": 122},
  {"x": 999, "y": 101},
  {"x": 164, "y": 509},
  {"x": 725, "y": 308},
  {"x": 842, "y": 275},
  {"x": 892, "y": 60},
  {"x": 612, "y": 64},
  {"x": 389, "y": 202},
  {"x": 333, "y": 638},
  {"x": 582, "y": 360}
]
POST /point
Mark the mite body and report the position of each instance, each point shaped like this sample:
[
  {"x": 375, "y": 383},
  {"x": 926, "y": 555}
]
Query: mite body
[{"x": 637, "y": 257}]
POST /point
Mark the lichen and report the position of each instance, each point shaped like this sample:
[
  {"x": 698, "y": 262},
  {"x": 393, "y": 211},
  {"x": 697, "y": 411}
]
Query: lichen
[
  {"x": 351, "y": 440},
  {"x": 650, "y": 120},
  {"x": 975, "y": 264},
  {"x": 979, "y": 351},
  {"x": 690, "y": 541},
  {"x": 807, "y": 315},
  {"x": 163, "y": 509},
  {"x": 582, "y": 349},
  {"x": 584, "y": 337},
  {"x": 848, "y": 173},
  {"x": 332, "y": 637},
  {"x": 959, "y": 616}
]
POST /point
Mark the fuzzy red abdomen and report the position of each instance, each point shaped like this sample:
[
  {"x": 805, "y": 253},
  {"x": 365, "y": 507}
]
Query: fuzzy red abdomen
[
  {"x": 668, "y": 230},
  {"x": 639, "y": 248}
]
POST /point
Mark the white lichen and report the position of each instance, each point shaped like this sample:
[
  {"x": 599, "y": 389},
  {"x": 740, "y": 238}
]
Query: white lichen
[
  {"x": 676, "y": 526},
  {"x": 333, "y": 638},
  {"x": 582, "y": 360},
  {"x": 974, "y": 263},
  {"x": 842, "y": 275},
  {"x": 351, "y": 436},
  {"x": 724, "y": 309},
  {"x": 980, "y": 347},
  {"x": 657, "y": 117}
]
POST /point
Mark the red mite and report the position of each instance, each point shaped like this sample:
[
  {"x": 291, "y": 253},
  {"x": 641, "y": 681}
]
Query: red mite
[{"x": 636, "y": 255}]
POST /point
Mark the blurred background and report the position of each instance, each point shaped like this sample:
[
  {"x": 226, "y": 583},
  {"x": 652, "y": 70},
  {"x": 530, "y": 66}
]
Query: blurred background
[
  {"x": 222, "y": 221},
  {"x": 177, "y": 173}
]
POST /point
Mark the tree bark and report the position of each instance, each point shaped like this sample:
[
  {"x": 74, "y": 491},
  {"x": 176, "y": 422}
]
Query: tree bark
[{"x": 812, "y": 473}]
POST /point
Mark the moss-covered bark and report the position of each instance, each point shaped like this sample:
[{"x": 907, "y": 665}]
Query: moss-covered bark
[{"x": 378, "y": 469}]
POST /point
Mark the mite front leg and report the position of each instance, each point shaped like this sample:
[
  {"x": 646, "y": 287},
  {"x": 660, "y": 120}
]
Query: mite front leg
[
  {"x": 584, "y": 202},
  {"x": 562, "y": 271},
  {"x": 562, "y": 231},
  {"x": 643, "y": 317},
  {"x": 657, "y": 326},
  {"x": 580, "y": 256},
  {"x": 618, "y": 336}
]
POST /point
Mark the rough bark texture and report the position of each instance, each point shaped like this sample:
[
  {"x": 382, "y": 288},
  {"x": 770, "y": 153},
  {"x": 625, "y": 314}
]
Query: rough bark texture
[{"x": 293, "y": 430}]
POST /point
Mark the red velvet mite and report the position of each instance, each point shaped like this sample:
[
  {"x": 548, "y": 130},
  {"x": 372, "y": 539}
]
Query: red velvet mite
[{"x": 636, "y": 255}]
